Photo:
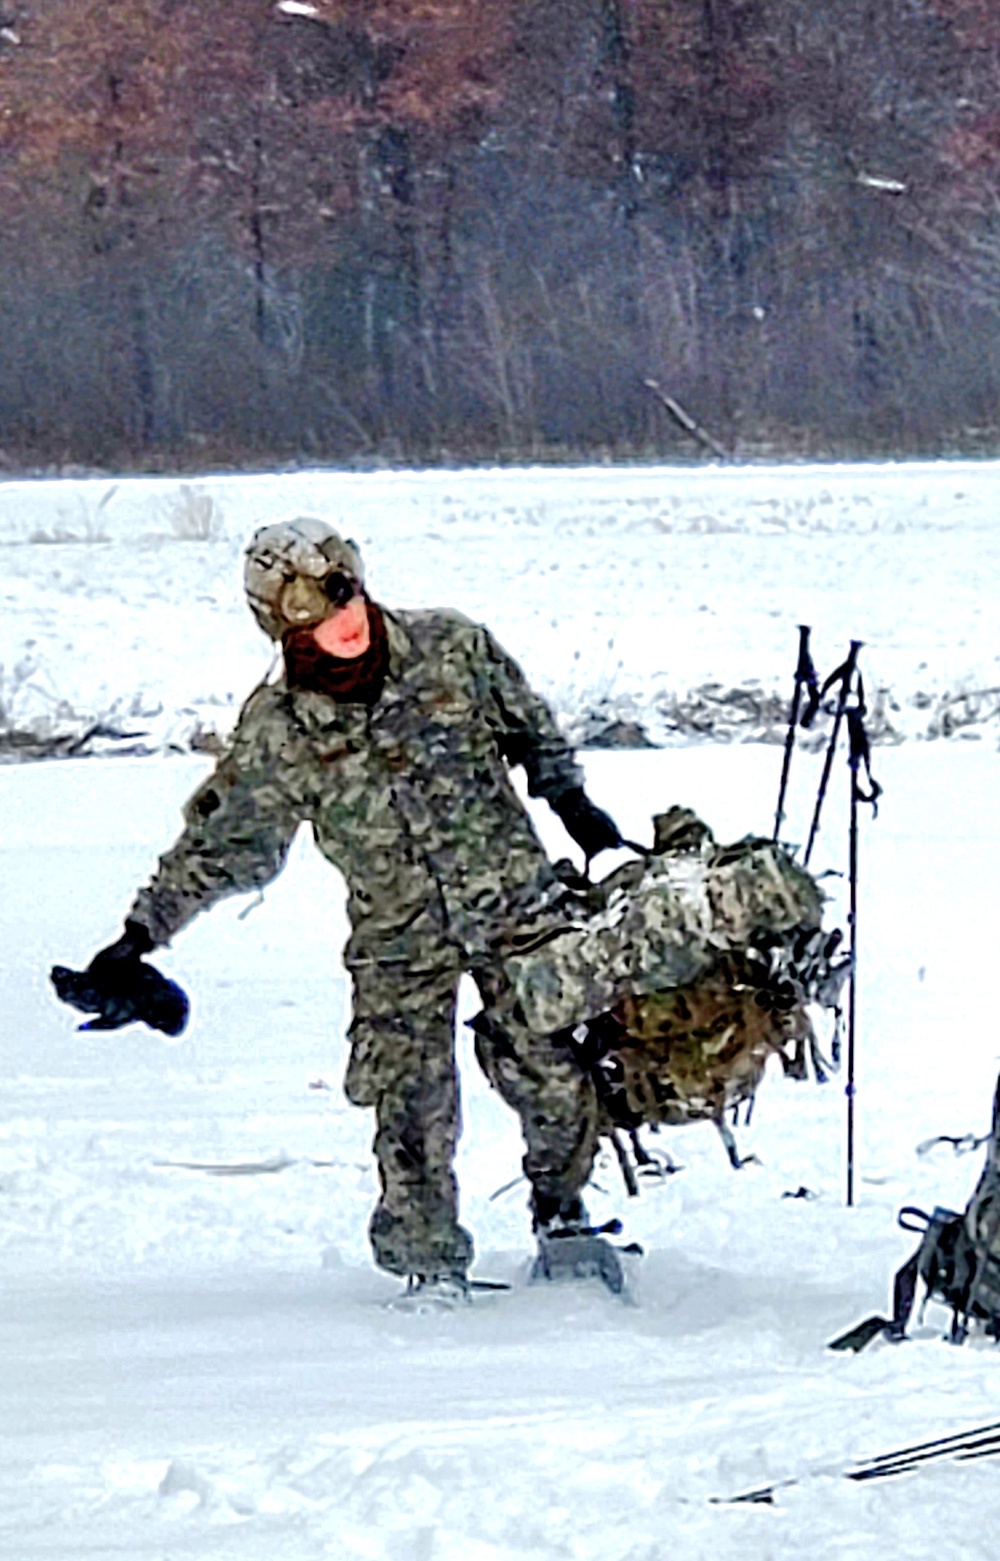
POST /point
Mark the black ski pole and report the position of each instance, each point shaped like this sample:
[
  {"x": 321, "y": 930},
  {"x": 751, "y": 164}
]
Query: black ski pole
[
  {"x": 976, "y": 1443},
  {"x": 844, "y": 674},
  {"x": 852, "y": 980},
  {"x": 858, "y": 755},
  {"x": 805, "y": 675}
]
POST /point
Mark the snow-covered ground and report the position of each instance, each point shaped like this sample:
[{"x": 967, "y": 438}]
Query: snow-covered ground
[
  {"x": 196, "y": 1364},
  {"x": 656, "y": 597}
]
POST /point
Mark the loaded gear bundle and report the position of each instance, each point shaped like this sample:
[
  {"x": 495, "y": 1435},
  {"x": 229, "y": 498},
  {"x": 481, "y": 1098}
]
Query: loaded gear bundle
[
  {"x": 681, "y": 975},
  {"x": 666, "y": 921},
  {"x": 958, "y": 1260},
  {"x": 699, "y": 1052},
  {"x": 714, "y": 955}
]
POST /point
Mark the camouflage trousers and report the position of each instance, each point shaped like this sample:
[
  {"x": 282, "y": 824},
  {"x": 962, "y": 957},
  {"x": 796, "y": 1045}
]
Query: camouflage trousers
[{"x": 402, "y": 1063}]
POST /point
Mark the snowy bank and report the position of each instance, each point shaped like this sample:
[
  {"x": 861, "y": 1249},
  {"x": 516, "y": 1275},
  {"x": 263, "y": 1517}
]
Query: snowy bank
[{"x": 651, "y": 605}]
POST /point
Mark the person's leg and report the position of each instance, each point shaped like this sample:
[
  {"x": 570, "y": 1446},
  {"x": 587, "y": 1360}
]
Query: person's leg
[
  {"x": 403, "y": 1064},
  {"x": 556, "y": 1098},
  {"x": 557, "y": 1103}
]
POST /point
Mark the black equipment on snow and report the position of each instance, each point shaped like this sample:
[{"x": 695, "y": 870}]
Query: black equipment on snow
[
  {"x": 963, "y": 1446},
  {"x": 119, "y": 988},
  {"x": 958, "y": 1260}
]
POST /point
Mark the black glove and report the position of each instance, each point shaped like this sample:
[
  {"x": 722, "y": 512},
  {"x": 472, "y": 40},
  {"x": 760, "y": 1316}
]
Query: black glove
[
  {"x": 119, "y": 988},
  {"x": 133, "y": 943},
  {"x": 591, "y": 828}
]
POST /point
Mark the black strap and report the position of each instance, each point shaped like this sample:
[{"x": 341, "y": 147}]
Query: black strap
[
  {"x": 860, "y": 749},
  {"x": 861, "y": 1335},
  {"x": 807, "y": 677},
  {"x": 905, "y": 1223},
  {"x": 893, "y": 1328},
  {"x": 904, "y": 1290},
  {"x": 818, "y": 694},
  {"x": 965, "y": 1144}
]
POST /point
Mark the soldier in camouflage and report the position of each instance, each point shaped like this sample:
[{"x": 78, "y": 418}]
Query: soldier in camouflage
[{"x": 393, "y": 734}]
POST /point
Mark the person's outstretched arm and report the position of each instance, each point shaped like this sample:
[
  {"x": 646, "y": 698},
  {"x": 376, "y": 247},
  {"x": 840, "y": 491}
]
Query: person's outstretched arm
[{"x": 238, "y": 825}]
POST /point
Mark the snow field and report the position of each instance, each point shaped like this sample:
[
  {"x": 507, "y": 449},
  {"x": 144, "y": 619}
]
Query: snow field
[
  {"x": 656, "y": 597},
  {"x": 199, "y": 1365}
]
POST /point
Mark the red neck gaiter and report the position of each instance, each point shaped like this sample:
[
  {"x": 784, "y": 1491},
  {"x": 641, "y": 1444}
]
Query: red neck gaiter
[{"x": 357, "y": 680}]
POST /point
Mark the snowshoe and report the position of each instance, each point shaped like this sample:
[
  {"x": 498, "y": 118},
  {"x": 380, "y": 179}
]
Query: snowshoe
[
  {"x": 443, "y": 1293},
  {"x": 583, "y": 1252}
]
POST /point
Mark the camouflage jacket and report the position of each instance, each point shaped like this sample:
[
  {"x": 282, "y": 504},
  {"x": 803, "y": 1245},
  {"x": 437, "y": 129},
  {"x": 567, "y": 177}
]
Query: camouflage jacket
[{"x": 410, "y": 798}]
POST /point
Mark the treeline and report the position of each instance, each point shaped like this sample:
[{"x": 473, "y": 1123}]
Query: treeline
[{"x": 237, "y": 231}]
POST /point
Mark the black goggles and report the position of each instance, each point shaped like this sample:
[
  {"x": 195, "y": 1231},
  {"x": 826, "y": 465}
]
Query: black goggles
[{"x": 341, "y": 589}]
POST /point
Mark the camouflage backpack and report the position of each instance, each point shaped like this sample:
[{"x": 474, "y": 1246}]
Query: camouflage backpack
[
  {"x": 685, "y": 973},
  {"x": 958, "y": 1260}
]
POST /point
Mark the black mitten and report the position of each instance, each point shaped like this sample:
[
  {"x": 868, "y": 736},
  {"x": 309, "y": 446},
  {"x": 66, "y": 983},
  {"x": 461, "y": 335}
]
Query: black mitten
[
  {"x": 119, "y": 988},
  {"x": 591, "y": 828}
]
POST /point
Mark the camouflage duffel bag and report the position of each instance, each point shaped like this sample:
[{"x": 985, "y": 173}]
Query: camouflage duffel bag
[
  {"x": 741, "y": 918},
  {"x": 699, "y": 1051},
  {"x": 682, "y": 974}
]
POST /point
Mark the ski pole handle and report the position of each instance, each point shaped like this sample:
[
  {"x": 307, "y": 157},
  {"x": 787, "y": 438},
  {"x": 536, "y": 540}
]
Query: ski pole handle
[{"x": 804, "y": 674}]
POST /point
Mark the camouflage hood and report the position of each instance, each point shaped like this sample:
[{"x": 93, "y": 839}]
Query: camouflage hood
[
  {"x": 667, "y": 921},
  {"x": 297, "y": 572}
]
